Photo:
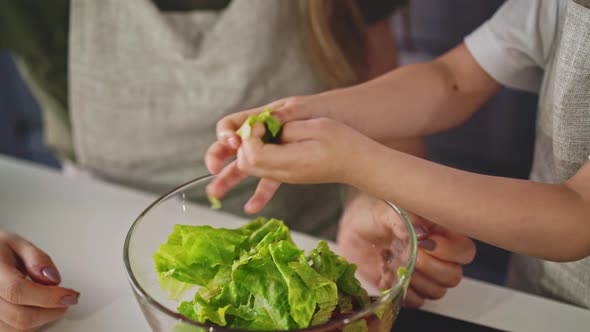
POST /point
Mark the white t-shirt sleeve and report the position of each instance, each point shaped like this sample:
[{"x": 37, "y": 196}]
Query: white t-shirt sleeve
[{"x": 513, "y": 46}]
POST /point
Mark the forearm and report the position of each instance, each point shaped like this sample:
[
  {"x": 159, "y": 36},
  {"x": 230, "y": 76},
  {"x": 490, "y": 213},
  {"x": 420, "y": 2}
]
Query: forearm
[
  {"x": 542, "y": 220},
  {"x": 414, "y": 100},
  {"x": 415, "y": 147}
]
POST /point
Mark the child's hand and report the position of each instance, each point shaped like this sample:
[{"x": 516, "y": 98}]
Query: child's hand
[
  {"x": 28, "y": 303},
  {"x": 228, "y": 143},
  {"x": 311, "y": 151},
  {"x": 285, "y": 110}
]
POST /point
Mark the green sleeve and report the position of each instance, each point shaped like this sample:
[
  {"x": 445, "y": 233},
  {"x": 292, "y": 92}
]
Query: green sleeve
[
  {"x": 36, "y": 31},
  {"x": 31, "y": 27}
]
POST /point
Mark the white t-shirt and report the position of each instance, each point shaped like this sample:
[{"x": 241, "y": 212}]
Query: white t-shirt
[
  {"x": 543, "y": 46},
  {"x": 514, "y": 45}
]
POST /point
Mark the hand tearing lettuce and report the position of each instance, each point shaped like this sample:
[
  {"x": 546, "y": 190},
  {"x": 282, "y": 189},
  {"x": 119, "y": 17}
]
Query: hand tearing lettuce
[
  {"x": 254, "y": 277},
  {"x": 272, "y": 125},
  {"x": 271, "y": 135}
]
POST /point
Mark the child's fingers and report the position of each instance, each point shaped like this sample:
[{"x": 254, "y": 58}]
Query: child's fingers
[
  {"x": 301, "y": 130},
  {"x": 226, "y": 127},
  {"x": 425, "y": 287},
  {"x": 228, "y": 178},
  {"x": 216, "y": 155},
  {"x": 266, "y": 160},
  {"x": 264, "y": 192},
  {"x": 253, "y": 153},
  {"x": 291, "y": 110}
]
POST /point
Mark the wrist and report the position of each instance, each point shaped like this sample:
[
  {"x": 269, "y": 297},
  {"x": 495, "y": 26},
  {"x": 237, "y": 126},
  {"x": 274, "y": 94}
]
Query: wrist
[
  {"x": 364, "y": 163},
  {"x": 333, "y": 104}
]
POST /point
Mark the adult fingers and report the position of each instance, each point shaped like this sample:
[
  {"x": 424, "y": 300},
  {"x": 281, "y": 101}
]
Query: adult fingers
[
  {"x": 37, "y": 264},
  {"x": 413, "y": 300},
  {"x": 17, "y": 289},
  {"x": 449, "y": 247},
  {"x": 446, "y": 274},
  {"x": 23, "y": 318},
  {"x": 425, "y": 287}
]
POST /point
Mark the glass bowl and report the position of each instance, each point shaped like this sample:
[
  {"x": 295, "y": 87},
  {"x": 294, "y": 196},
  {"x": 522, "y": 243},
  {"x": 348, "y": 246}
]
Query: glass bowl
[{"x": 188, "y": 204}]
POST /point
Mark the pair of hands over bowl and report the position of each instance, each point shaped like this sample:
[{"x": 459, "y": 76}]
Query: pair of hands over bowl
[{"x": 316, "y": 149}]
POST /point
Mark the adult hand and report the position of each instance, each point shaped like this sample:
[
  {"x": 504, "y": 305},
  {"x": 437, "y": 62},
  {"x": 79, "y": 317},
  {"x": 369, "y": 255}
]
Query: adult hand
[
  {"x": 365, "y": 236},
  {"x": 29, "y": 293}
]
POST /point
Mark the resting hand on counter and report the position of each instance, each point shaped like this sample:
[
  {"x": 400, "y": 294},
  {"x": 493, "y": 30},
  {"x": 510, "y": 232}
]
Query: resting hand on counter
[
  {"x": 29, "y": 293},
  {"x": 441, "y": 253}
]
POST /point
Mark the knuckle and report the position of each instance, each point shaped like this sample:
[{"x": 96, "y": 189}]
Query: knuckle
[
  {"x": 254, "y": 160},
  {"x": 13, "y": 290},
  {"x": 242, "y": 163}
]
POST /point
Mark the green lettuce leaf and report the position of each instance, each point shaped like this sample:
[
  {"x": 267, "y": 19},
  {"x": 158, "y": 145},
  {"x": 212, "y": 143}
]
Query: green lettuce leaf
[
  {"x": 215, "y": 202},
  {"x": 273, "y": 126},
  {"x": 336, "y": 268},
  {"x": 254, "y": 277},
  {"x": 194, "y": 254},
  {"x": 261, "y": 277}
]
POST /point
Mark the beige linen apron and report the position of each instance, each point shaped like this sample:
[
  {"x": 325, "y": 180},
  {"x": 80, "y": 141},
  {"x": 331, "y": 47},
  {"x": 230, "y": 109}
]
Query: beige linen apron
[
  {"x": 562, "y": 148},
  {"x": 147, "y": 88}
]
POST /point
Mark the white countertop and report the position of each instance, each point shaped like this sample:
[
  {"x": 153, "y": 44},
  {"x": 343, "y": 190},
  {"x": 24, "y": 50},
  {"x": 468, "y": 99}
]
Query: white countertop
[{"x": 82, "y": 224}]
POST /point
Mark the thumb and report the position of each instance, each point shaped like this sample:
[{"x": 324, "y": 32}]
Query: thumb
[{"x": 37, "y": 263}]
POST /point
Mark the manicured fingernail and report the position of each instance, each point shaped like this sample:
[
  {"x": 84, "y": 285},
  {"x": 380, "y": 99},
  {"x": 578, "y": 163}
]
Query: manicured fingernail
[
  {"x": 51, "y": 274},
  {"x": 69, "y": 300},
  {"x": 420, "y": 231},
  {"x": 427, "y": 244},
  {"x": 233, "y": 142}
]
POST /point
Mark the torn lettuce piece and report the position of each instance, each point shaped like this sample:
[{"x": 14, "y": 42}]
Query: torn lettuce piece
[
  {"x": 194, "y": 254},
  {"x": 336, "y": 268},
  {"x": 215, "y": 202},
  {"x": 261, "y": 277},
  {"x": 174, "y": 288},
  {"x": 308, "y": 292},
  {"x": 272, "y": 125}
]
